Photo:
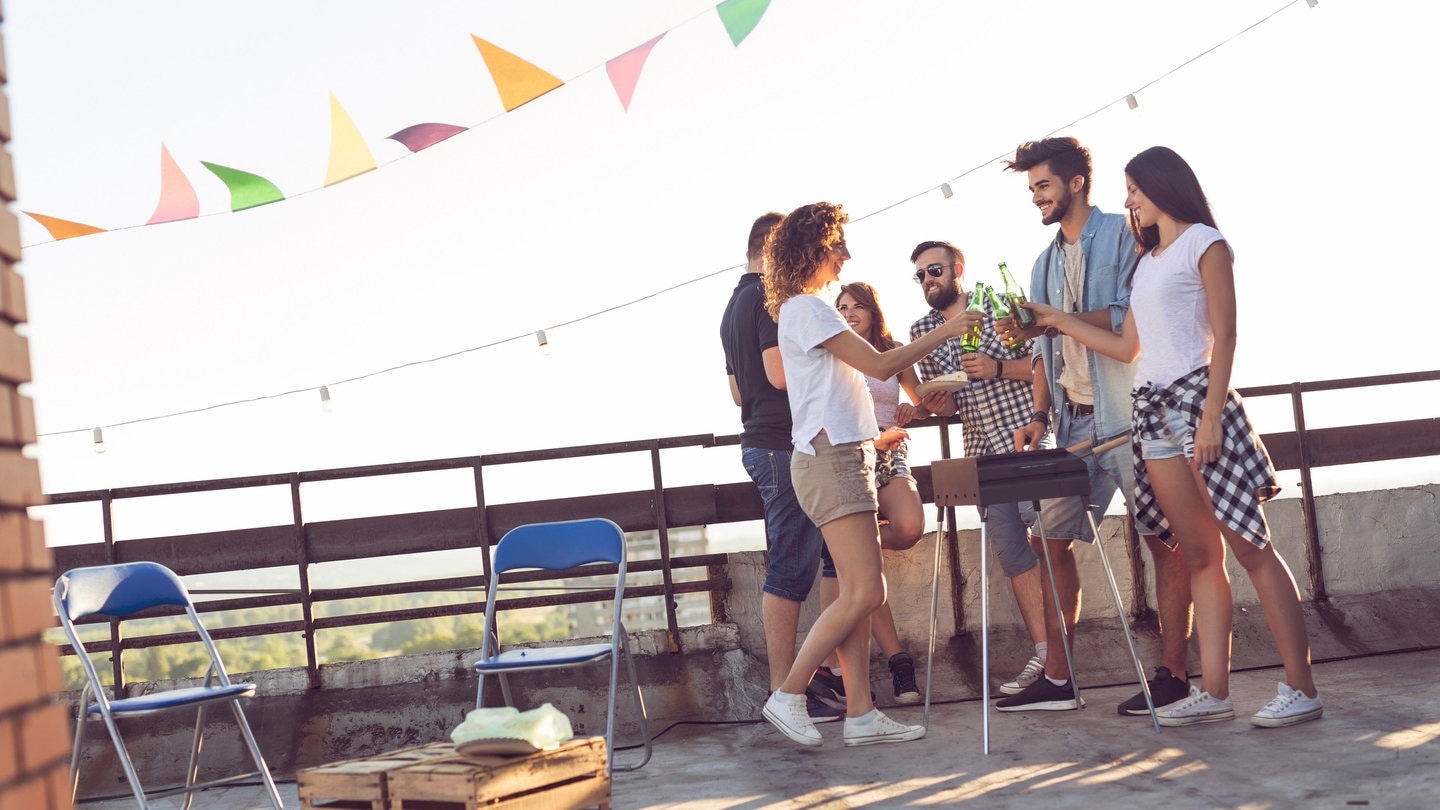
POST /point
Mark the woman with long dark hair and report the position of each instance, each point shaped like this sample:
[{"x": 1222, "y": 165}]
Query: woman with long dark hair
[
  {"x": 833, "y": 432},
  {"x": 1201, "y": 470}
]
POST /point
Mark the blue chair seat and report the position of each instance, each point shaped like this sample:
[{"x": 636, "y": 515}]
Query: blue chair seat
[
  {"x": 544, "y": 657},
  {"x": 156, "y": 702}
]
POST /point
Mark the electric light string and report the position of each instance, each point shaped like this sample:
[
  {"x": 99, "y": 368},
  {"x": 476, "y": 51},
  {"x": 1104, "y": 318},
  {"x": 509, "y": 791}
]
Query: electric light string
[{"x": 541, "y": 335}]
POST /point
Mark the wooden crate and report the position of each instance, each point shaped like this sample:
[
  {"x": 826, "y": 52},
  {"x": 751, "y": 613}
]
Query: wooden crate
[
  {"x": 572, "y": 775},
  {"x": 361, "y": 784}
]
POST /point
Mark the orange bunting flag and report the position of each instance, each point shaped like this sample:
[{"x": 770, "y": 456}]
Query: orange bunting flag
[
  {"x": 177, "y": 197},
  {"x": 64, "y": 228},
  {"x": 625, "y": 69},
  {"x": 349, "y": 155},
  {"x": 518, "y": 81}
]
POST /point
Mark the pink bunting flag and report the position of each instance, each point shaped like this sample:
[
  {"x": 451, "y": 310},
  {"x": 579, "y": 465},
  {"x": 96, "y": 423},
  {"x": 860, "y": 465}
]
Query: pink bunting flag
[
  {"x": 423, "y": 136},
  {"x": 625, "y": 70},
  {"x": 177, "y": 197}
]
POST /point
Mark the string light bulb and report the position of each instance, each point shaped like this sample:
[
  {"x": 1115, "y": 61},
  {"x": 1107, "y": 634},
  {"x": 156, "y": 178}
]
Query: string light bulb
[
  {"x": 1130, "y": 101},
  {"x": 544, "y": 342},
  {"x": 99, "y": 440},
  {"x": 1312, "y": 3},
  {"x": 945, "y": 189},
  {"x": 325, "y": 399}
]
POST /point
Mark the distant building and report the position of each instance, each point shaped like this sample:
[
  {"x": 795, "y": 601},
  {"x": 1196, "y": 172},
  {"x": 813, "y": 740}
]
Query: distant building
[{"x": 648, "y": 612}]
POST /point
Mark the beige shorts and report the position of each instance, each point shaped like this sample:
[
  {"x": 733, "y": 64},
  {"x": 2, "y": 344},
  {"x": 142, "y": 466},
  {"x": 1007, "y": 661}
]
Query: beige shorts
[{"x": 838, "y": 480}]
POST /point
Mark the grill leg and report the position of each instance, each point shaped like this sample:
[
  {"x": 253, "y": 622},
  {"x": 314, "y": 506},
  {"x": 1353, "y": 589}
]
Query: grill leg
[{"x": 1124, "y": 623}]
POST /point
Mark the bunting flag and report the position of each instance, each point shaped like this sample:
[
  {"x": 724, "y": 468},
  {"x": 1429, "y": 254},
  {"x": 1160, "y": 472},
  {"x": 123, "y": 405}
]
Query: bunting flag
[
  {"x": 177, "y": 197},
  {"x": 246, "y": 190},
  {"x": 349, "y": 155},
  {"x": 741, "y": 17},
  {"x": 625, "y": 69},
  {"x": 518, "y": 81},
  {"x": 422, "y": 136},
  {"x": 64, "y": 228}
]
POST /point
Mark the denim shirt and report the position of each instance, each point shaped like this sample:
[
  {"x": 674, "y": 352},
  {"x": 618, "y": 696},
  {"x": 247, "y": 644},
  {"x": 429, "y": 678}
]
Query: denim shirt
[{"x": 1110, "y": 260}]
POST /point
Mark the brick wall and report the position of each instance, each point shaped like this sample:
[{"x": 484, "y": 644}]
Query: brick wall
[{"x": 34, "y": 730}]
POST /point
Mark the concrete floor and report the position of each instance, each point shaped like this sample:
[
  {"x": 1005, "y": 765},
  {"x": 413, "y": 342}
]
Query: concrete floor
[{"x": 1378, "y": 745}]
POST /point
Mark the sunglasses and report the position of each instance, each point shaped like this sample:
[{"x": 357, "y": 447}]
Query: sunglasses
[{"x": 935, "y": 270}]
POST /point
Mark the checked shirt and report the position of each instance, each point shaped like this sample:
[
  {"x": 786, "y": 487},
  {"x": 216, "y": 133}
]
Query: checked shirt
[
  {"x": 1240, "y": 481},
  {"x": 990, "y": 410}
]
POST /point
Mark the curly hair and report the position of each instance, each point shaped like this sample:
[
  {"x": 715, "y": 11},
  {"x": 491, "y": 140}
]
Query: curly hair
[
  {"x": 866, "y": 296},
  {"x": 796, "y": 249}
]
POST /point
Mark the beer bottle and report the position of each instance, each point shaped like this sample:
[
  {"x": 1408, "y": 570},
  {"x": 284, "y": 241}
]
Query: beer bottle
[
  {"x": 1001, "y": 311},
  {"x": 970, "y": 341},
  {"x": 1015, "y": 296}
]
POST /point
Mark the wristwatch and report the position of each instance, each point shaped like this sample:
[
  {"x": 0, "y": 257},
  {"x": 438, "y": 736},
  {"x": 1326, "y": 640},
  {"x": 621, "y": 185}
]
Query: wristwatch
[{"x": 1051, "y": 332}]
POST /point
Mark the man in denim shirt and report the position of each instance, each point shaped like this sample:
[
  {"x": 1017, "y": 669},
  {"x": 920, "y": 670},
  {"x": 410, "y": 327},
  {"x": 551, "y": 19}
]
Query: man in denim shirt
[{"x": 1087, "y": 269}]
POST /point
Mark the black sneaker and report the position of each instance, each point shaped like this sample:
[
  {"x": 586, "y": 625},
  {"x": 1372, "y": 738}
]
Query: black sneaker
[
  {"x": 828, "y": 687},
  {"x": 1041, "y": 696},
  {"x": 820, "y": 711},
  {"x": 1165, "y": 689},
  {"x": 902, "y": 674}
]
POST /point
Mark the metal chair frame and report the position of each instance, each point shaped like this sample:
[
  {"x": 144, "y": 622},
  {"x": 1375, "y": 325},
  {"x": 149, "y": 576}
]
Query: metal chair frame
[
  {"x": 562, "y": 546},
  {"x": 120, "y": 592}
]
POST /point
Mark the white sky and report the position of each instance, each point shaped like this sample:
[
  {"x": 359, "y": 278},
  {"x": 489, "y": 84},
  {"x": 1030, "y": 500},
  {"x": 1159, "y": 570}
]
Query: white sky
[{"x": 1308, "y": 132}]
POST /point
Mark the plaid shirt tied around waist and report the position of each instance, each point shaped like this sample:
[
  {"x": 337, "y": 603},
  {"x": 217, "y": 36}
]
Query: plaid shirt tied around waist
[{"x": 1240, "y": 481}]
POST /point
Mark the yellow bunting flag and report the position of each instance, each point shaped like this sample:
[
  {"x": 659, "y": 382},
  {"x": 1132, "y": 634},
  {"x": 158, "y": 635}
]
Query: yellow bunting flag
[
  {"x": 64, "y": 228},
  {"x": 349, "y": 155},
  {"x": 518, "y": 81}
]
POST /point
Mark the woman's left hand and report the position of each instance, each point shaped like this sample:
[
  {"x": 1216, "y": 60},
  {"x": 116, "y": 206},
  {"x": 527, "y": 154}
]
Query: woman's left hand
[
  {"x": 1209, "y": 441},
  {"x": 891, "y": 438}
]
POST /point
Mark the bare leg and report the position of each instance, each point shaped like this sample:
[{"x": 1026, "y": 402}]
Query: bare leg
[
  {"x": 882, "y": 626},
  {"x": 1067, "y": 582},
  {"x": 1172, "y": 593},
  {"x": 1187, "y": 508},
  {"x": 854, "y": 543},
  {"x": 1032, "y": 606},
  {"x": 829, "y": 589},
  {"x": 1280, "y": 600},
  {"x": 781, "y": 618},
  {"x": 900, "y": 504}
]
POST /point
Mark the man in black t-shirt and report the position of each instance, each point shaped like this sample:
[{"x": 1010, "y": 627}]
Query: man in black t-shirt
[{"x": 757, "y": 384}]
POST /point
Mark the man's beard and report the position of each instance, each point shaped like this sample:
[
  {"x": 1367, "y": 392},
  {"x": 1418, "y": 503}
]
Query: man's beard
[{"x": 943, "y": 297}]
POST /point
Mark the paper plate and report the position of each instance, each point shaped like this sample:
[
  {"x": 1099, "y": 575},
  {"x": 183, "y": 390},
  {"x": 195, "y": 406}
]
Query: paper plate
[
  {"x": 496, "y": 747},
  {"x": 945, "y": 382}
]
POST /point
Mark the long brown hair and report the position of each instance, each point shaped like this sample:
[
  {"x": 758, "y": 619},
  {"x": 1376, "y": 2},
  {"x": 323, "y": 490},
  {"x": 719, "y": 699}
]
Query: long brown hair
[
  {"x": 1171, "y": 185},
  {"x": 866, "y": 296},
  {"x": 796, "y": 249}
]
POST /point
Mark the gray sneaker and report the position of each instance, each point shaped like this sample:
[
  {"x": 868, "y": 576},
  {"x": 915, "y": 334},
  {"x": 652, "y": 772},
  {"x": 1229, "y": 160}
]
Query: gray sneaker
[
  {"x": 1200, "y": 707},
  {"x": 1034, "y": 668}
]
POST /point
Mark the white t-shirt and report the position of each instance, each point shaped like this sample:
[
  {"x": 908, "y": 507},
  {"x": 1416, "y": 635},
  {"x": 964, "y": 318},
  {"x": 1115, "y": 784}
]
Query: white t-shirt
[
  {"x": 825, "y": 393},
  {"x": 1171, "y": 308}
]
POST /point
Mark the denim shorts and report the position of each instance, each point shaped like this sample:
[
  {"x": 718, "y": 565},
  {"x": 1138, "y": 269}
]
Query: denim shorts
[
  {"x": 892, "y": 464},
  {"x": 1064, "y": 518},
  {"x": 1177, "y": 438},
  {"x": 838, "y": 480},
  {"x": 792, "y": 539},
  {"x": 1006, "y": 528}
]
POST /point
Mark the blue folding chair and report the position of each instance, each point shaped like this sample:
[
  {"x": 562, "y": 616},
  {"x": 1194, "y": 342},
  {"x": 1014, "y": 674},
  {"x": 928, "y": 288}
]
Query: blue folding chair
[
  {"x": 121, "y": 591},
  {"x": 559, "y": 547}
]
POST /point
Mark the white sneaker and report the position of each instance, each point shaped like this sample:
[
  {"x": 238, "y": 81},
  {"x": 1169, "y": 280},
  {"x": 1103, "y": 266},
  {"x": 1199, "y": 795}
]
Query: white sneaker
[
  {"x": 878, "y": 728},
  {"x": 787, "y": 712},
  {"x": 1200, "y": 707},
  {"x": 1034, "y": 668},
  {"x": 1288, "y": 708}
]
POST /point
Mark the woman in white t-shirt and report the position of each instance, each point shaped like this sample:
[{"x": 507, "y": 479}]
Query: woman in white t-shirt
[
  {"x": 1201, "y": 470},
  {"x": 833, "y": 433}
]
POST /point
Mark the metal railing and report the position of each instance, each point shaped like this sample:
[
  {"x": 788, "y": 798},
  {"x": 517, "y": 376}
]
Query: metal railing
[{"x": 302, "y": 544}]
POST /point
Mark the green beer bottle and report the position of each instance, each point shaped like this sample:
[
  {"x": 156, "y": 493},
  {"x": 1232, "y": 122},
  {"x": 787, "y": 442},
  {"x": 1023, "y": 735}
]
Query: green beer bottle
[
  {"x": 1001, "y": 311},
  {"x": 970, "y": 341},
  {"x": 1013, "y": 294}
]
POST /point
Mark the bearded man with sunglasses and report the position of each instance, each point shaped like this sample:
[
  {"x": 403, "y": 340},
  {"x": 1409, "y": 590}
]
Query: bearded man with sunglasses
[{"x": 992, "y": 406}]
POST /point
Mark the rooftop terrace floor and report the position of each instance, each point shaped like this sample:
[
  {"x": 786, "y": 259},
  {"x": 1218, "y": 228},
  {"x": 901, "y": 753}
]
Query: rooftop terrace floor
[{"x": 1378, "y": 745}]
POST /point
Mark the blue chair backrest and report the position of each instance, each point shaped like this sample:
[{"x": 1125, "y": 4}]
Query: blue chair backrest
[
  {"x": 119, "y": 590},
  {"x": 561, "y": 545}
]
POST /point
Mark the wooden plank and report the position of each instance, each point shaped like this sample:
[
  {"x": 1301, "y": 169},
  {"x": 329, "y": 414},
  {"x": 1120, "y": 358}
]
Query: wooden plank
[
  {"x": 575, "y": 770},
  {"x": 360, "y": 783}
]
